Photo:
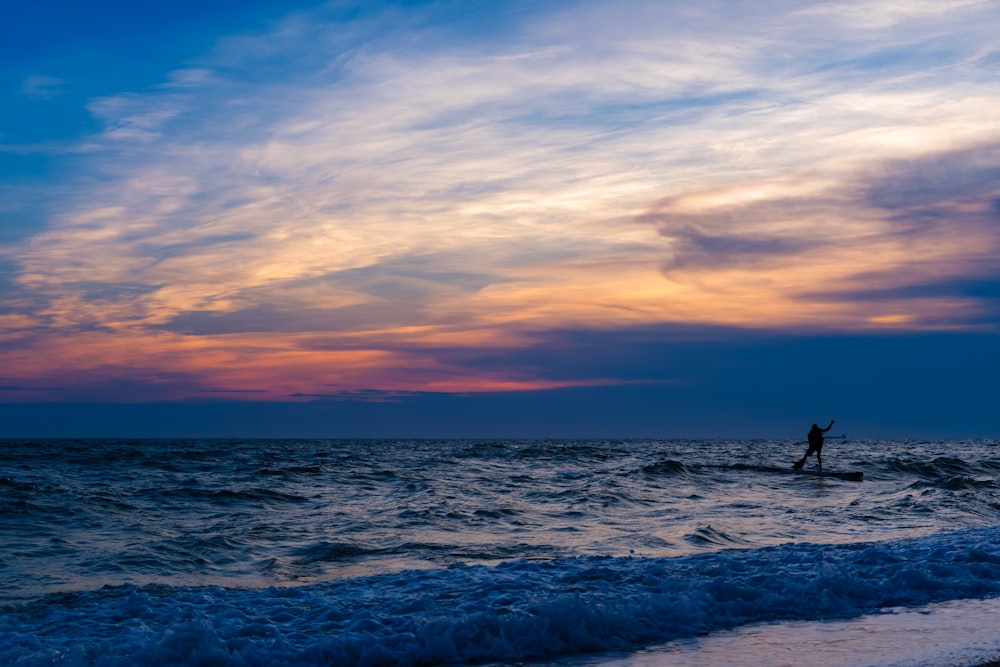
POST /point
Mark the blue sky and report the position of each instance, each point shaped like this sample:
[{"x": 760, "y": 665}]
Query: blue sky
[{"x": 481, "y": 218}]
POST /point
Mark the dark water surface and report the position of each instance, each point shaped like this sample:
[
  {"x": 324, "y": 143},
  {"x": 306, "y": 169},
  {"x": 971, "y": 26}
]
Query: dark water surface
[{"x": 320, "y": 517}]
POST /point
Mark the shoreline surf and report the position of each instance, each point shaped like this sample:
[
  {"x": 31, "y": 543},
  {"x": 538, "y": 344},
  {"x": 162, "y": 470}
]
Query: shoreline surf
[{"x": 430, "y": 552}]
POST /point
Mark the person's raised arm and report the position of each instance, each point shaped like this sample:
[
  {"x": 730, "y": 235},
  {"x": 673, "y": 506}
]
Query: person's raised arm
[{"x": 828, "y": 427}]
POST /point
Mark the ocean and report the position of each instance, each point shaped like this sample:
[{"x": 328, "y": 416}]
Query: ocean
[{"x": 497, "y": 552}]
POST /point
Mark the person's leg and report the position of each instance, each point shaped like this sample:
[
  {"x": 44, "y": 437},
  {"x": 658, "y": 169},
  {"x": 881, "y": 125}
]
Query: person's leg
[{"x": 801, "y": 462}]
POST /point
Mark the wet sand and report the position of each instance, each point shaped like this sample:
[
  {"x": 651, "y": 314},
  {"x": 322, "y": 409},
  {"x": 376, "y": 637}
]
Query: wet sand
[{"x": 962, "y": 633}]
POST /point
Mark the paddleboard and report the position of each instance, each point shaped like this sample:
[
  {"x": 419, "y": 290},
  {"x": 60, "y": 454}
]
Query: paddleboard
[{"x": 853, "y": 475}]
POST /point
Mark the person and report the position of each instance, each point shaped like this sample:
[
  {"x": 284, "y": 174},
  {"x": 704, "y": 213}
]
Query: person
[{"x": 815, "y": 445}]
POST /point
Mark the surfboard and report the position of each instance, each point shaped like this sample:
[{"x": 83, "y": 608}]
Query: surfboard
[{"x": 853, "y": 475}]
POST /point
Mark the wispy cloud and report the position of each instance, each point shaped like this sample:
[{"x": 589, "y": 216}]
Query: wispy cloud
[
  {"x": 388, "y": 183},
  {"x": 45, "y": 87}
]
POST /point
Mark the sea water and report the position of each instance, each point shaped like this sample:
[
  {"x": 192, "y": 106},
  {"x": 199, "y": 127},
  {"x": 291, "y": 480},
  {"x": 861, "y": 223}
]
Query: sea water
[{"x": 397, "y": 552}]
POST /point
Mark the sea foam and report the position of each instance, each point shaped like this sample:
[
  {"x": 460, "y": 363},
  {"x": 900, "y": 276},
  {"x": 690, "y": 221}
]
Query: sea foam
[{"x": 514, "y": 610}]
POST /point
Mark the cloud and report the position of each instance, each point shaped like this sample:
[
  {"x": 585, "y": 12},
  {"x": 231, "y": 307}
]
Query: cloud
[
  {"x": 957, "y": 179},
  {"x": 271, "y": 318},
  {"x": 894, "y": 229},
  {"x": 386, "y": 201},
  {"x": 987, "y": 288},
  {"x": 230, "y": 391},
  {"x": 133, "y": 118},
  {"x": 44, "y": 87},
  {"x": 888, "y": 14},
  {"x": 942, "y": 211},
  {"x": 362, "y": 395},
  {"x": 7, "y": 387}
]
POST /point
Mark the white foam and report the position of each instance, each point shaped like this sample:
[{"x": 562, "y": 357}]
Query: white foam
[{"x": 511, "y": 611}]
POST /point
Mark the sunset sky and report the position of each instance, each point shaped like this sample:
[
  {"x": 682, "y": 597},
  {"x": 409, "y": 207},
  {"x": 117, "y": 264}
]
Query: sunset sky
[{"x": 459, "y": 218}]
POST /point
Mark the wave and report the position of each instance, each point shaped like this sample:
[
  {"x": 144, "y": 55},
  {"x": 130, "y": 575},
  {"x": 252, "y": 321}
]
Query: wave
[
  {"x": 514, "y": 611},
  {"x": 942, "y": 466},
  {"x": 324, "y": 551},
  {"x": 947, "y": 473},
  {"x": 954, "y": 484},
  {"x": 667, "y": 467},
  {"x": 10, "y": 483},
  {"x": 706, "y": 535},
  {"x": 224, "y": 497}
]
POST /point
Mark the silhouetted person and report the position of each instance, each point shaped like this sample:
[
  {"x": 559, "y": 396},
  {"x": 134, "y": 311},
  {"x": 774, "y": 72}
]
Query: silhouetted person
[{"x": 815, "y": 445}]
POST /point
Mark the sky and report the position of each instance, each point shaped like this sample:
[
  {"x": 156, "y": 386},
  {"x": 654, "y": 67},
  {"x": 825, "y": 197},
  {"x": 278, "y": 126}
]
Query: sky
[{"x": 643, "y": 218}]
